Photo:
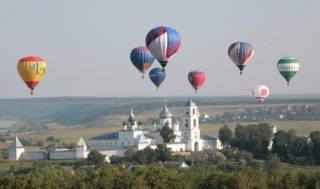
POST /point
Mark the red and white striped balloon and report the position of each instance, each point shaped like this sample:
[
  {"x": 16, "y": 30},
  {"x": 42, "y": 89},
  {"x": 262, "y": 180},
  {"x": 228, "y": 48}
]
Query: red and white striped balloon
[{"x": 260, "y": 92}]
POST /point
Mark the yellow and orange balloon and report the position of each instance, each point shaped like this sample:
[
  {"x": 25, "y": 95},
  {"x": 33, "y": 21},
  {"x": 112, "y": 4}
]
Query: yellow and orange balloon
[{"x": 31, "y": 69}]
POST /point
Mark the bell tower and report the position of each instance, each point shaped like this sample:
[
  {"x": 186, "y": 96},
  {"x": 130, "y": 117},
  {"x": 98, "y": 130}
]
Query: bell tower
[{"x": 191, "y": 131}]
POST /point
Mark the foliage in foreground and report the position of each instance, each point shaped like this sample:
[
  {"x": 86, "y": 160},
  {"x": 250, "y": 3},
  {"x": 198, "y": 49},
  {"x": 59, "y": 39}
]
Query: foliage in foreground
[{"x": 48, "y": 176}]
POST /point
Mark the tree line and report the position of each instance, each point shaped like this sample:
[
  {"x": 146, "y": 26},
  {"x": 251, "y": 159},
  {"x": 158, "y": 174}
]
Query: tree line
[
  {"x": 260, "y": 141},
  {"x": 44, "y": 175}
]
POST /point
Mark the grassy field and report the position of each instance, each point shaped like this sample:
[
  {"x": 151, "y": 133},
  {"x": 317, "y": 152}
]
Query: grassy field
[
  {"x": 72, "y": 135},
  {"x": 6, "y": 165}
]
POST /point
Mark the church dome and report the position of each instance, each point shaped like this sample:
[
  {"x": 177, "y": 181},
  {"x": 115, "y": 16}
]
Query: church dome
[{"x": 165, "y": 113}]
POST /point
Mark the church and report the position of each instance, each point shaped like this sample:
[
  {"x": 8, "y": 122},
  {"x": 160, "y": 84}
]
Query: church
[
  {"x": 187, "y": 138},
  {"x": 187, "y": 134}
]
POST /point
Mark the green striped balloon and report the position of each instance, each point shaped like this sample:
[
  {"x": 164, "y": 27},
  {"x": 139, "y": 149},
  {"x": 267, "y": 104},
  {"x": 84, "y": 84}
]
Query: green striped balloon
[{"x": 288, "y": 67}]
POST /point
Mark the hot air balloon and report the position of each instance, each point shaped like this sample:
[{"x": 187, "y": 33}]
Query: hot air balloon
[
  {"x": 260, "y": 92},
  {"x": 142, "y": 59},
  {"x": 288, "y": 67},
  {"x": 163, "y": 42},
  {"x": 157, "y": 76},
  {"x": 196, "y": 79},
  {"x": 31, "y": 69},
  {"x": 240, "y": 53}
]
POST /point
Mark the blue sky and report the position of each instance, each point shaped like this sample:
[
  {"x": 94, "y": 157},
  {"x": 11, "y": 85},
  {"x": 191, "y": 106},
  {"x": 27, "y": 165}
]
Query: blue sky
[{"x": 87, "y": 44}]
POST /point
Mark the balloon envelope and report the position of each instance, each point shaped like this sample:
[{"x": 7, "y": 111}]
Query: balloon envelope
[
  {"x": 163, "y": 42},
  {"x": 288, "y": 67},
  {"x": 260, "y": 92},
  {"x": 157, "y": 76},
  {"x": 240, "y": 53},
  {"x": 196, "y": 79},
  {"x": 31, "y": 69},
  {"x": 141, "y": 58}
]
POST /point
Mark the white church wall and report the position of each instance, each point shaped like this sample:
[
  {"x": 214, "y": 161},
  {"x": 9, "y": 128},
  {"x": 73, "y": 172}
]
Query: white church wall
[
  {"x": 176, "y": 147},
  {"x": 63, "y": 154},
  {"x": 81, "y": 153},
  {"x": 34, "y": 155},
  {"x": 115, "y": 152},
  {"x": 15, "y": 154},
  {"x": 142, "y": 146}
]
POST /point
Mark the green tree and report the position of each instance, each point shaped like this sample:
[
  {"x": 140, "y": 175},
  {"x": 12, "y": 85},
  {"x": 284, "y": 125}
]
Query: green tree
[
  {"x": 315, "y": 139},
  {"x": 50, "y": 139},
  {"x": 95, "y": 158},
  {"x": 163, "y": 153},
  {"x": 273, "y": 164},
  {"x": 280, "y": 145},
  {"x": 50, "y": 147},
  {"x": 225, "y": 135},
  {"x": 129, "y": 154},
  {"x": 145, "y": 156},
  {"x": 167, "y": 133},
  {"x": 219, "y": 180},
  {"x": 253, "y": 138},
  {"x": 291, "y": 148}
]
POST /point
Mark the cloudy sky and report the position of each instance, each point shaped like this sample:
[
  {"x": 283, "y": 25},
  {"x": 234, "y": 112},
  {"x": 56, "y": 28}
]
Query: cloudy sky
[{"x": 87, "y": 44}]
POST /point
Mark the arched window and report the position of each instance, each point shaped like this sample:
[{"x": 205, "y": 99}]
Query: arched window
[
  {"x": 186, "y": 124},
  {"x": 193, "y": 111},
  {"x": 194, "y": 123},
  {"x": 196, "y": 146}
]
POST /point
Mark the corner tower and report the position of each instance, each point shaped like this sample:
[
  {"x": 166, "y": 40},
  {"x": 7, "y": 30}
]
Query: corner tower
[
  {"x": 16, "y": 149},
  {"x": 81, "y": 149}
]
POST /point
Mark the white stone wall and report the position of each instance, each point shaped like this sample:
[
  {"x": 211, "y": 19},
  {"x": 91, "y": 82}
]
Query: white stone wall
[
  {"x": 109, "y": 153},
  {"x": 178, "y": 137},
  {"x": 158, "y": 137},
  {"x": 218, "y": 144},
  {"x": 64, "y": 154},
  {"x": 34, "y": 155},
  {"x": 81, "y": 153},
  {"x": 144, "y": 145},
  {"x": 176, "y": 147},
  {"x": 15, "y": 154}
]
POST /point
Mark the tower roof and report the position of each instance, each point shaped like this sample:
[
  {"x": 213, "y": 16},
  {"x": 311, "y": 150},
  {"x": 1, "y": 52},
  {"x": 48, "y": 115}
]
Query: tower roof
[
  {"x": 131, "y": 115},
  {"x": 16, "y": 143},
  {"x": 190, "y": 103},
  {"x": 184, "y": 165},
  {"x": 81, "y": 142},
  {"x": 131, "y": 119},
  {"x": 165, "y": 113},
  {"x": 142, "y": 139}
]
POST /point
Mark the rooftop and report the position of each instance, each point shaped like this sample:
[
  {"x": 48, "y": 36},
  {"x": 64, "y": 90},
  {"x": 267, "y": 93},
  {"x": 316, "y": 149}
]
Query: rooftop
[
  {"x": 16, "y": 143},
  {"x": 108, "y": 136},
  {"x": 81, "y": 142},
  {"x": 190, "y": 103},
  {"x": 165, "y": 113}
]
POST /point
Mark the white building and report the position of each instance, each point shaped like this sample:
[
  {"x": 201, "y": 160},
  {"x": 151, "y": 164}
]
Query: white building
[
  {"x": 187, "y": 135},
  {"x": 274, "y": 131},
  {"x": 187, "y": 138},
  {"x": 17, "y": 152},
  {"x": 16, "y": 149}
]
